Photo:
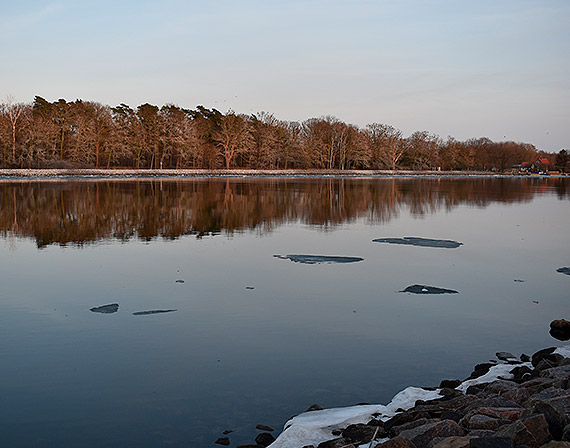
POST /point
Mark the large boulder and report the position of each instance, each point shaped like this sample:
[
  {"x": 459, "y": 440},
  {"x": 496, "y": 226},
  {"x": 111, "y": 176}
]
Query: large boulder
[
  {"x": 264, "y": 439},
  {"x": 556, "y": 411},
  {"x": 531, "y": 432},
  {"x": 396, "y": 442},
  {"x": 560, "y": 329},
  {"x": 423, "y": 435}
]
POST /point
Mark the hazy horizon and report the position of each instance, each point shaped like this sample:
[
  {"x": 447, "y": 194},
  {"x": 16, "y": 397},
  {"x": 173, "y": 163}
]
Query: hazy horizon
[{"x": 452, "y": 68}]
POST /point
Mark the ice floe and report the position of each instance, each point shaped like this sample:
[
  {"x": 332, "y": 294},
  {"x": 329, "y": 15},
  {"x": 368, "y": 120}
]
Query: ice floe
[
  {"x": 421, "y": 242},
  {"x": 144, "y": 313},
  {"x": 318, "y": 259},
  {"x": 106, "y": 309},
  {"x": 424, "y": 289}
]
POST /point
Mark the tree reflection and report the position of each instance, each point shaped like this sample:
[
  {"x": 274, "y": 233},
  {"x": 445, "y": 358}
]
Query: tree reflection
[{"x": 82, "y": 212}]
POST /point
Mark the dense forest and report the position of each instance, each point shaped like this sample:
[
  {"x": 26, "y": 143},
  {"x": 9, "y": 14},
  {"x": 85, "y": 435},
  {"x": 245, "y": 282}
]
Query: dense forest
[{"x": 84, "y": 134}]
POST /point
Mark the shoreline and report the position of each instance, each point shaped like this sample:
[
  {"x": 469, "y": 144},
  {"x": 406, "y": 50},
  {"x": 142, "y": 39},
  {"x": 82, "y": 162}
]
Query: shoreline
[
  {"x": 90, "y": 173},
  {"x": 509, "y": 402}
]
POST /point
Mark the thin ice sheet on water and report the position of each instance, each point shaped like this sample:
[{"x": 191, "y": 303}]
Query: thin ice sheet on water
[
  {"x": 425, "y": 289},
  {"x": 420, "y": 242},
  {"x": 318, "y": 259},
  {"x": 106, "y": 309}
]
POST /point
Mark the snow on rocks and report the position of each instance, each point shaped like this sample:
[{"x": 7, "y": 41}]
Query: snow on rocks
[{"x": 501, "y": 404}]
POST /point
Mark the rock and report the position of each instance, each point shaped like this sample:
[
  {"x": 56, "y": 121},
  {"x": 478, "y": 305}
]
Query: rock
[
  {"x": 451, "y": 415},
  {"x": 314, "y": 407},
  {"x": 421, "y": 242},
  {"x": 106, "y": 309},
  {"x": 453, "y": 442},
  {"x": 424, "y": 289},
  {"x": 404, "y": 418},
  {"x": 481, "y": 433},
  {"x": 223, "y": 441},
  {"x": 396, "y": 442},
  {"x": 448, "y": 393},
  {"x": 539, "y": 355},
  {"x": 525, "y": 358},
  {"x": 536, "y": 385},
  {"x": 491, "y": 442},
  {"x": 250, "y": 446},
  {"x": 556, "y": 411},
  {"x": 546, "y": 394},
  {"x": 498, "y": 387},
  {"x": 318, "y": 259},
  {"x": 565, "y": 270},
  {"x": 336, "y": 443},
  {"x": 228, "y": 431},
  {"x": 451, "y": 384},
  {"x": 555, "y": 444},
  {"x": 475, "y": 389},
  {"x": 505, "y": 356},
  {"x": 264, "y": 439},
  {"x": 521, "y": 373},
  {"x": 360, "y": 433},
  {"x": 519, "y": 395},
  {"x": 538, "y": 427},
  {"x": 560, "y": 329},
  {"x": 422, "y": 435},
  {"x": 559, "y": 373},
  {"x": 397, "y": 430},
  {"x": 566, "y": 433},
  {"x": 549, "y": 361},
  {"x": 264, "y": 428},
  {"x": 479, "y": 421},
  {"x": 480, "y": 370},
  {"x": 147, "y": 312},
  {"x": 520, "y": 435}
]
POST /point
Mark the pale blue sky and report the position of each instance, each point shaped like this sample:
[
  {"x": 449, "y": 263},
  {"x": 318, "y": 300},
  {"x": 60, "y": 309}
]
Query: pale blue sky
[{"x": 495, "y": 68}]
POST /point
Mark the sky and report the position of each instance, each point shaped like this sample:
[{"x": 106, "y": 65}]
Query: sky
[{"x": 461, "y": 68}]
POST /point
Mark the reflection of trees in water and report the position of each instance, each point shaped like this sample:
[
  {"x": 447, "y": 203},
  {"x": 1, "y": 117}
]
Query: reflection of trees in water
[{"x": 79, "y": 212}]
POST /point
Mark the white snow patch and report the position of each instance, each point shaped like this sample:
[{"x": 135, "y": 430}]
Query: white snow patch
[
  {"x": 564, "y": 351},
  {"x": 312, "y": 428},
  {"x": 494, "y": 373}
]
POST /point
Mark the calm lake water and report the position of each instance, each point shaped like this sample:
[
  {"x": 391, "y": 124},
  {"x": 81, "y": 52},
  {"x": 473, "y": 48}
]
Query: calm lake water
[{"x": 230, "y": 357}]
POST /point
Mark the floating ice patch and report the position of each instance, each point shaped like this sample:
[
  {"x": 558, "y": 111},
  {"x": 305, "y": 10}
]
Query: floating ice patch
[
  {"x": 318, "y": 259},
  {"x": 312, "y": 428},
  {"x": 144, "y": 313},
  {"x": 564, "y": 270},
  {"x": 424, "y": 289},
  {"x": 421, "y": 242},
  {"x": 106, "y": 309}
]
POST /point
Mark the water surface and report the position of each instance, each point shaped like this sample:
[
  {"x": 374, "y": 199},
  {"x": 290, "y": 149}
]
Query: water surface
[{"x": 255, "y": 338}]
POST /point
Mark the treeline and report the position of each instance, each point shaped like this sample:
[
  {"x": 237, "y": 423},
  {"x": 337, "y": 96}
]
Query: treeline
[
  {"x": 80, "y": 213},
  {"x": 85, "y": 134}
]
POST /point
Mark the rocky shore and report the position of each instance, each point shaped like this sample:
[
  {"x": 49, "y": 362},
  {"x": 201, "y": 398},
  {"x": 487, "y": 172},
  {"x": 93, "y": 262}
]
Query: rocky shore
[{"x": 509, "y": 402}]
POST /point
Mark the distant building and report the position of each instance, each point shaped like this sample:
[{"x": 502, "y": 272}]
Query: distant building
[{"x": 541, "y": 165}]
